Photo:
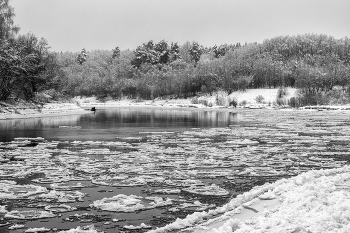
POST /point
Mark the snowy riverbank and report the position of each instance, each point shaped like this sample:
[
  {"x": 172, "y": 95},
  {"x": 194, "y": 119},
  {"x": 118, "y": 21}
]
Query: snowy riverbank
[
  {"x": 316, "y": 201},
  {"x": 49, "y": 109}
]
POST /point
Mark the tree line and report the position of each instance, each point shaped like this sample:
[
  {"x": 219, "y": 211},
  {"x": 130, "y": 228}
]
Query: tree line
[
  {"x": 313, "y": 63},
  {"x": 26, "y": 64}
]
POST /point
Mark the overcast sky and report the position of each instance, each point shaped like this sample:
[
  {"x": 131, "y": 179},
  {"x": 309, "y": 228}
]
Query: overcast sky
[{"x": 70, "y": 25}]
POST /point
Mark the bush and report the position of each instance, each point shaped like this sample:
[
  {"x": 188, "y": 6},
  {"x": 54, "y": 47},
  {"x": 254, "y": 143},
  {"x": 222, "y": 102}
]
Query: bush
[
  {"x": 293, "y": 102},
  {"x": 280, "y": 102},
  {"x": 137, "y": 100},
  {"x": 282, "y": 91},
  {"x": 221, "y": 99},
  {"x": 332, "y": 97},
  {"x": 194, "y": 100},
  {"x": 232, "y": 101},
  {"x": 41, "y": 97},
  {"x": 203, "y": 101},
  {"x": 243, "y": 103},
  {"x": 259, "y": 99}
]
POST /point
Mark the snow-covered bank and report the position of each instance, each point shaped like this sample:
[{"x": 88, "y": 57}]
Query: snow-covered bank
[
  {"x": 49, "y": 109},
  {"x": 315, "y": 201},
  {"x": 248, "y": 96}
]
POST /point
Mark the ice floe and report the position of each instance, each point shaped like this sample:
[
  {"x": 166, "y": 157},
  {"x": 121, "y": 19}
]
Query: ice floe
[
  {"x": 130, "y": 203},
  {"x": 142, "y": 226},
  {"x": 28, "y": 214},
  {"x": 212, "y": 190},
  {"x": 12, "y": 191},
  {"x": 37, "y": 230},
  {"x": 84, "y": 229}
]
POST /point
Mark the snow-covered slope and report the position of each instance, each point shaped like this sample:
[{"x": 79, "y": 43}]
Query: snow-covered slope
[{"x": 315, "y": 201}]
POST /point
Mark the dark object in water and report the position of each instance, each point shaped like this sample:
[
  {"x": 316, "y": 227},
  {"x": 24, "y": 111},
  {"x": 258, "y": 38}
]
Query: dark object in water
[
  {"x": 93, "y": 109},
  {"x": 233, "y": 103}
]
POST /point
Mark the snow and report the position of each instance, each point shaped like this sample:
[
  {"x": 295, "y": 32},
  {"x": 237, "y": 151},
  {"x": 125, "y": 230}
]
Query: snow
[
  {"x": 3, "y": 209},
  {"x": 131, "y": 203},
  {"x": 212, "y": 190},
  {"x": 16, "y": 226},
  {"x": 34, "y": 230},
  {"x": 315, "y": 201},
  {"x": 59, "y": 208},
  {"x": 12, "y": 191},
  {"x": 85, "y": 229},
  {"x": 29, "y": 214},
  {"x": 269, "y": 195},
  {"x": 62, "y": 196},
  {"x": 131, "y": 227}
]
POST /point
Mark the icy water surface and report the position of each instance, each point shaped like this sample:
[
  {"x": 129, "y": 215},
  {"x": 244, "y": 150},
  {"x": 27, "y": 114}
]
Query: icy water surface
[
  {"x": 107, "y": 124},
  {"x": 138, "y": 178}
]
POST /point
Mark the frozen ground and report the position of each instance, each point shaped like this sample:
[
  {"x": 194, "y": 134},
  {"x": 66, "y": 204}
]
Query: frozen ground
[{"x": 153, "y": 179}]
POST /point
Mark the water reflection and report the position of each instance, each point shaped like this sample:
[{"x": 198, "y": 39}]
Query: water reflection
[{"x": 109, "y": 123}]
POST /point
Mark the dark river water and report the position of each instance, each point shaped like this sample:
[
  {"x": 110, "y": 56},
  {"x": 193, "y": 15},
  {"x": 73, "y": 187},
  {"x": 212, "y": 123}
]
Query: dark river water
[
  {"x": 134, "y": 167},
  {"x": 110, "y": 123}
]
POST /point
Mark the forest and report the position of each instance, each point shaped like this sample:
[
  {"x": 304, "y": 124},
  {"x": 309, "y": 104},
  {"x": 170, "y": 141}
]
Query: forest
[{"x": 318, "y": 65}]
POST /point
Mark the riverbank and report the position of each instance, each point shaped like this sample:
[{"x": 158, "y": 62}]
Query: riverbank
[
  {"x": 315, "y": 201},
  {"x": 29, "y": 110},
  {"x": 81, "y": 105},
  {"x": 244, "y": 99}
]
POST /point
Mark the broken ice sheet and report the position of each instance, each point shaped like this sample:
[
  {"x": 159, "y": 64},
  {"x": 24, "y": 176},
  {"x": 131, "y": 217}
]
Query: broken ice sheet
[
  {"x": 60, "y": 196},
  {"x": 130, "y": 203},
  {"x": 28, "y": 214},
  {"x": 59, "y": 208},
  {"x": 10, "y": 190}
]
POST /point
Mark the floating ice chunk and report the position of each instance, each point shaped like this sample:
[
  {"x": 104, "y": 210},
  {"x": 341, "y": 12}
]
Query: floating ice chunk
[
  {"x": 29, "y": 214},
  {"x": 131, "y": 203},
  {"x": 69, "y": 127},
  {"x": 212, "y": 190},
  {"x": 165, "y": 191},
  {"x": 62, "y": 196},
  {"x": 11, "y": 191},
  {"x": 16, "y": 226},
  {"x": 3, "y": 209},
  {"x": 142, "y": 226},
  {"x": 35, "y": 230},
  {"x": 59, "y": 208},
  {"x": 37, "y": 139},
  {"x": 67, "y": 186},
  {"x": 197, "y": 204},
  {"x": 84, "y": 229}
]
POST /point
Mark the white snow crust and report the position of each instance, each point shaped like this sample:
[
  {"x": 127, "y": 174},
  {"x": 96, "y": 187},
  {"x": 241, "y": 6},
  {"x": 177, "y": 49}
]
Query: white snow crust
[
  {"x": 3, "y": 209},
  {"x": 315, "y": 201},
  {"x": 131, "y": 203},
  {"x": 84, "y": 229},
  {"x": 34, "y": 230},
  {"x": 142, "y": 225}
]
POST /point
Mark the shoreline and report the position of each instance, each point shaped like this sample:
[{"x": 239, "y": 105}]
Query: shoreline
[
  {"x": 48, "y": 110},
  {"x": 40, "y": 115},
  {"x": 297, "y": 199},
  {"x": 64, "y": 109}
]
